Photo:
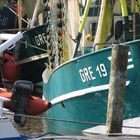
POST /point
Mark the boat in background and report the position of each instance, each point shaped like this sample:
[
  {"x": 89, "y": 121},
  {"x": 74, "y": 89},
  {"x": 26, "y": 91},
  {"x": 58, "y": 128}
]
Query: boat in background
[
  {"x": 31, "y": 55},
  {"x": 78, "y": 89},
  {"x": 28, "y": 53}
]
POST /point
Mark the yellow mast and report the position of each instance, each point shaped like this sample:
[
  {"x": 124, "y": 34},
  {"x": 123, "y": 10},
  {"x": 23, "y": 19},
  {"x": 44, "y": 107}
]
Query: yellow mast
[
  {"x": 124, "y": 8},
  {"x": 104, "y": 24},
  {"x": 82, "y": 25},
  {"x": 125, "y": 16}
]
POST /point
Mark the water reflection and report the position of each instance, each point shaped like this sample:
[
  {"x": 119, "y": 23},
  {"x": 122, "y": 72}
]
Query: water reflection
[{"x": 34, "y": 127}]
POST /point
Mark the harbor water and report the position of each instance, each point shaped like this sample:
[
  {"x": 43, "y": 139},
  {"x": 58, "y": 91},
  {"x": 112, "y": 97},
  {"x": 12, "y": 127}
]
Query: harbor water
[{"x": 34, "y": 126}]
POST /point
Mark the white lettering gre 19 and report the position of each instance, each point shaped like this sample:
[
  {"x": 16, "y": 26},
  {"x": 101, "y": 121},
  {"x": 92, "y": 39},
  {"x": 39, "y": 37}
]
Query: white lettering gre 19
[
  {"x": 40, "y": 39},
  {"x": 86, "y": 74},
  {"x": 101, "y": 70}
]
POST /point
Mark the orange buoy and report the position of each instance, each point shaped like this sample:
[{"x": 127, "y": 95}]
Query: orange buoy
[
  {"x": 34, "y": 105},
  {"x": 10, "y": 70}
]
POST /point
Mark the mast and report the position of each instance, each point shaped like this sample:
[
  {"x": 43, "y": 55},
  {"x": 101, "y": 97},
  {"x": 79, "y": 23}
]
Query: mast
[
  {"x": 34, "y": 17},
  {"x": 82, "y": 25},
  {"x": 20, "y": 15},
  {"x": 104, "y": 24},
  {"x": 135, "y": 7},
  {"x": 125, "y": 17}
]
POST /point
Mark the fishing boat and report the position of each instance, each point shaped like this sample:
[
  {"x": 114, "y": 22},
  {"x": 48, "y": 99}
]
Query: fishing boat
[
  {"x": 78, "y": 89},
  {"x": 28, "y": 53},
  {"x": 31, "y": 53}
]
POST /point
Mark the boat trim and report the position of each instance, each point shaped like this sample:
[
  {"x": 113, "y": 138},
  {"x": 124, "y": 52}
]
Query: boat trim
[{"x": 81, "y": 93}]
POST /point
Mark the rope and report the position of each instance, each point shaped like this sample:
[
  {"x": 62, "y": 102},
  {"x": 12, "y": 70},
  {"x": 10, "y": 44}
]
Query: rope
[
  {"x": 33, "y": 46},
  {"x": 63, "y": 120},
  {"x": 53, "y": 119},
  {"x": 17, "y": 14}
]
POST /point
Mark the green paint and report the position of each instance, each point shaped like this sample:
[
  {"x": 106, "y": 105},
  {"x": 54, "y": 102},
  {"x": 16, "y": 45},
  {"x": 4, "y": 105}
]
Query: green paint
[{"x": 79, "y": 74}]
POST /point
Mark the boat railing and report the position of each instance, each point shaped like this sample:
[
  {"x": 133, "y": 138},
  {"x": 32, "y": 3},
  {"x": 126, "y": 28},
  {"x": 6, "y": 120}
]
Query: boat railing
[
  {"x": 13, "y": 39},
  {"x": 105, "y": 44}
]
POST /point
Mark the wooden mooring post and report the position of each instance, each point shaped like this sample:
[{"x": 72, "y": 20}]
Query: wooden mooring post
[{"x": 117, "y": 89}]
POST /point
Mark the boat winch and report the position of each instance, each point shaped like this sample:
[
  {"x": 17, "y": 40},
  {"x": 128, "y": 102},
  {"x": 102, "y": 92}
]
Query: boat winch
[{"x": 21, "y": 92}]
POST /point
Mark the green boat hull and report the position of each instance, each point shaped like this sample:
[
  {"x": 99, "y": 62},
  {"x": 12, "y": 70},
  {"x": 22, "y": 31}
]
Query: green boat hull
[
  {"x": 91, "y": 70},
  {"x": 32, "y": 46}
]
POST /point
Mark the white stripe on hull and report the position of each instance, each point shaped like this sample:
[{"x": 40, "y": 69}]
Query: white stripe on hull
[{"x": 81, "y": 93}]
